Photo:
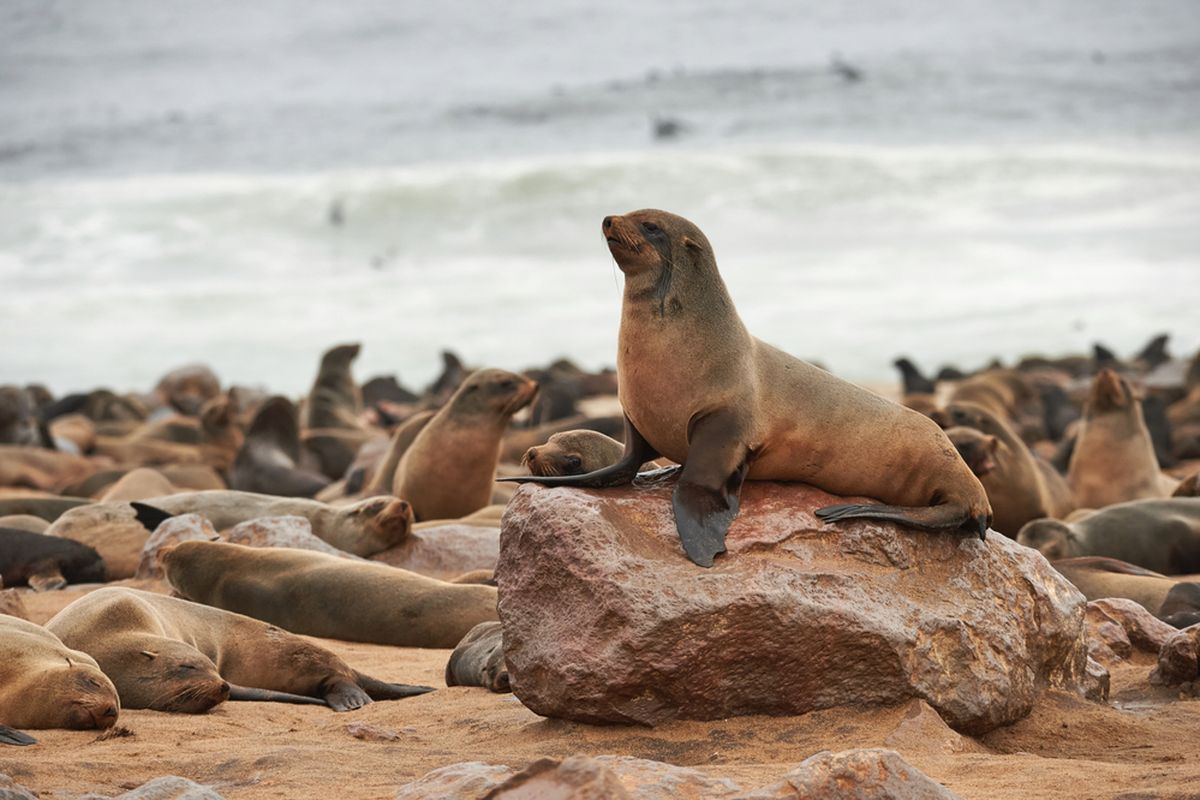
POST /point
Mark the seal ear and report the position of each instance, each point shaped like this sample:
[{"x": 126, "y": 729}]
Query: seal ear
[
  {"x": 149, "y": 654},
  {"x": 694, "y": 249},
  {"x": 991, "y": 443}
]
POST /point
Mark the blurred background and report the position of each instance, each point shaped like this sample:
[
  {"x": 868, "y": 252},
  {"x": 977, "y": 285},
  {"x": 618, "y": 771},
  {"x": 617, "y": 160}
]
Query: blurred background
[{"x": 247, "y": 183}]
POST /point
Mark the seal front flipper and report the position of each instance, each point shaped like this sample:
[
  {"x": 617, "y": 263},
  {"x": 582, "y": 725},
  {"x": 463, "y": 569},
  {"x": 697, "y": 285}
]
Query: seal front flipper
[
  {"x": 637, "y": 452},
  {"x": 149, "y": 516},
  {"x": 706, "y": 498},
  {"x": 10, "y": 736},
  {"x": 926, "y": 518}
]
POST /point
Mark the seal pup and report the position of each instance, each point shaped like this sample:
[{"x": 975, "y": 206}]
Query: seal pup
[
  {"x": 335, "y": 400},
  {"x": 320, "y": 595},
  {"x": 449, "y": 468},
  {"x": 45, "y": 563},
  {"x": 44, "y": 684},
  {"x": 1161, "y": 535},
  {"x": 478, "y": 660},
  {"x": 698, "y": 389},
  {"x": 173, "y": 655},
  {"x": 1114, "y": 460},
  {"x": 268, "y": 460},
  {"x": 363, "y": 529}
]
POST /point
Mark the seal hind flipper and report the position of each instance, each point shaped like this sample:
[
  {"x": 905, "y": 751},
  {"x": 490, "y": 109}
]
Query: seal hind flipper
[
  {"x": 382, "y": 690},
  {"x": 637, "y": 452},
  {"x": 149, "y": 516},
  {"x": 346, "y": 695},
  {"x": 927, "y": 518},
  {"x": 10, "y": 736},
  {"x": 706, "y": 499},
  {"x": 270, "y": 696}
]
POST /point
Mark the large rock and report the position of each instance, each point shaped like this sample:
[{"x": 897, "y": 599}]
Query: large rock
[
  {"x": 610, "y": 778},
  {"x": 468, "y": 780},
  {"x": 170, "y": 532},
  {"x": 1179, "y": 659},
  {"x": 866, "y": 774},
  {"x": 605, "y": 620}
]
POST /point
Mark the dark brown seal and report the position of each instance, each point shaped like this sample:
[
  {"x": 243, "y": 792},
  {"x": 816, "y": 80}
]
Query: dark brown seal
[
  {"x": 697, "y": 388},
  {"x": 46, "y": 562},
  {"x": 267, "y": 461},
  {"x": 478, "y": 660},
  {"x": 172, "y": 655},
  {"x": 335, "y": 400}
]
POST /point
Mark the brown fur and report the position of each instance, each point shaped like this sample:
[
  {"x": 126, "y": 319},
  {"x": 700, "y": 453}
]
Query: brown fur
[
  {"x": 173, "y": 655},
  {"x": 478, "y": 660},
  {"x": 402, "y": 439},
  {"x": 320, "y": 595},
  {"x": 573, "y": 453},
  {"x": 43, "y": 684},
  {"x": 449, "y": 469},
  {"x": 139, "y": 484},
  {"x": 1114, "y": 458},
  {"x": 335, "y": 400}
]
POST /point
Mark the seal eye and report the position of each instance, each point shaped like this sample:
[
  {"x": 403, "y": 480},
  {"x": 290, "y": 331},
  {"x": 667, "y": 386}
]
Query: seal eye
[
  {"x": 649, "y": 227},
  {"x": 573, "y": 462},
  {"x": 507, "y": 385}
]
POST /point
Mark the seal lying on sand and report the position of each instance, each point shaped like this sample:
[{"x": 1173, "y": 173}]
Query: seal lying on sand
[
  {"x": 43, "y": 684},
  {"x": 697, "y": 388},
  {"x": 172, "y": 655},
  {"x": 1159, "y": 535},
  {"x": 478, "y": 660},
  {"x": 321, "y": 595},
  {"x": 46, "y": 562},
  {"x": 1098, "y": 577},
  {"x": 363, "y": 529}
]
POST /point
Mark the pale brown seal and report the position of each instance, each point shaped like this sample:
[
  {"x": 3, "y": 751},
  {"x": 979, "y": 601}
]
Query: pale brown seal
[
  {"x": 44, "y": 684},
  {"x": 448, "y": 470},
  {"x": 321, "y": 595},
  {"x": 697, "y": 388},
  {"x": 173, "y": 655}
]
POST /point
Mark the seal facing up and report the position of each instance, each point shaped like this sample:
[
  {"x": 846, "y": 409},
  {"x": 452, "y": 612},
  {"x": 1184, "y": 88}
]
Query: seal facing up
[
  {"x": 173, "y": 655},
  {"x": 697, "y": 388},
  {"x": 44, "y": 684}
]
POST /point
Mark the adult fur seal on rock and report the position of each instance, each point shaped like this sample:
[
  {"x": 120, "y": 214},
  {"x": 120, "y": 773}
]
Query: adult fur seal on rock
[
  {"x": 173, "y": 655},
  {"x": 1160, "y": 535},
  {"x": 46, "y": 562},
  {"x": 449, "y": 468},
  {"x": 697, "y": 388},
  {"x": 362, "y": 529},
  {"x": 43, "y": 684},
  {"x": 321, "y": 595}
]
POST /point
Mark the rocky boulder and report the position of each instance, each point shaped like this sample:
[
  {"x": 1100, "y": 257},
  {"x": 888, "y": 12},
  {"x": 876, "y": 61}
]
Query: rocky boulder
[
  {"x": 288, "y": 531},
  {"x": 445, "y": 551},
  {"x": 170, "y": 532},
  {"x": 605, "y": 619},
  {"x": 866, "y": 774}
]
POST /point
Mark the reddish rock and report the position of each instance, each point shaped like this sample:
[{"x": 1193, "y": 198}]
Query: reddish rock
[
  {"x": 866, "y": 774},
  {"x": 610, "y": 777},
  {"x": 1144, "y": 631},
  {"x": 1107, "y": 641},
  {"x": 605, "y": 619},
  {"x": 924, "y": 731},
  {"x": 12, "y": 604},
  {"x": 1179, "y": 659},
  {"x": 172, "y": 531},
  {"x": 469, "y": 780},
  {"x": 287, "y": 531},
  {"x": 1096, "y": 681},
  {"x": 371, "y": 733},
  {"x": 445, "y": 551}
]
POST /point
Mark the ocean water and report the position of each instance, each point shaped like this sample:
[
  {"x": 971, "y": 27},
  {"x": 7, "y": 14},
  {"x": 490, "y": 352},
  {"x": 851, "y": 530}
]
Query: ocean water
[{"x": 248, "y": 183}]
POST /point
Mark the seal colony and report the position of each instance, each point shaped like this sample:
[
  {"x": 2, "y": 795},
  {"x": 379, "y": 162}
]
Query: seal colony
[
  {"x": 697, "y": 388},
  {"x": 370, "y": 513}
]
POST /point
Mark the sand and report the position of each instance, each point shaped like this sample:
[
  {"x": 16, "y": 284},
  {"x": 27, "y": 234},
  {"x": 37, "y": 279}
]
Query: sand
[{"x": 1146, "y": 743}]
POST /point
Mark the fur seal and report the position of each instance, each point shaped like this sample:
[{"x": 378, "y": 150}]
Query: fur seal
[
  {"x": 18, "y": 417},
  {"x": 188, "y": 388},
  {"x": 911, "y": 379},
  {"x": 402, "y": 439},
  {"x": 268, "y": 460},
  {"x": 25, "y": 522},
  {"x": 698, "y": 389},
  {"x": 169, "y": 654},
  {"x": 320, "y": 595},
  {"x": 449, "y": 468},
  {"x": 1114, "y": 460},
  {"x": 362, "y": 529},
  {"x": 573, "y": 453},
  {"x": 138, "y": 484},
  {"x": 335, "y": 400},
  {"x": 43, "y": 684},
  {"x": 45, "y": 562},
  {"x": 1097, "y": 577},
  {"x": 48, "y": 508},
  {"x": 1161, "y": 535},
  {"x": 478, "y": 660},
  {"x": 1020, "y": 486}
]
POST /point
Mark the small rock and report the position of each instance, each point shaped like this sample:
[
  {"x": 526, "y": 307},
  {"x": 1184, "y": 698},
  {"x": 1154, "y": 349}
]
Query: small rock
[
  {"x": 1096, "y": 682},
  {"x": 468, "y": 780},
  {"x": 371, "y": 733},
  {"x": 171, "y": 787},
  {"x": 1143, "y": 630},
  {"x": 924, "y": 730},
  {"x": 579, "y": 777},
  {"x": 1108, "y": 643},
  {"x": 173, "y": 531},
  {"x": 445, "y": 551},
  {"x": 867, "y": 774},
  {"x": 12, "y": 604},
  {"x": 11, "y": 790},
  {"x": 1179, "y": 659},
  {"x": 286, "y": 531}
]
